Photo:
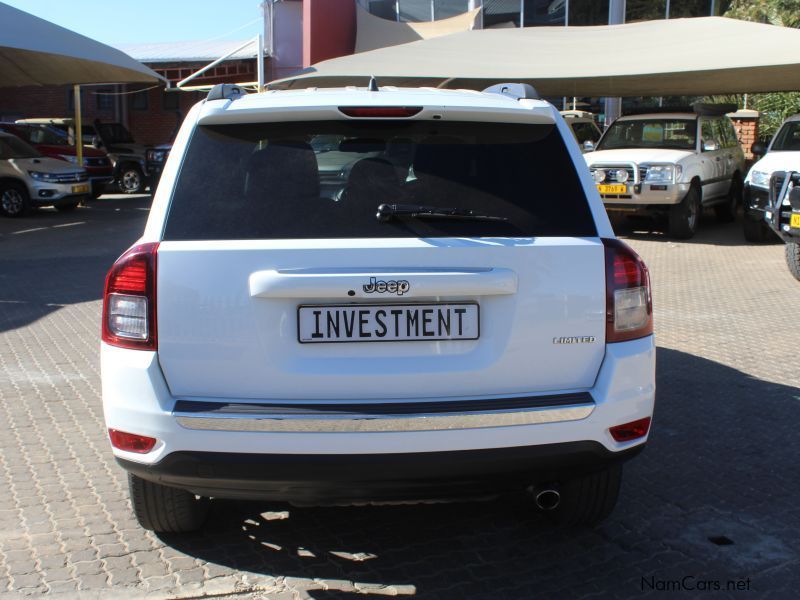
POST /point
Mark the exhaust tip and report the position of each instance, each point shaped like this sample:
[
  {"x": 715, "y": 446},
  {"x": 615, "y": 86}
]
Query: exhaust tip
[{"x": 547, "y": 499}]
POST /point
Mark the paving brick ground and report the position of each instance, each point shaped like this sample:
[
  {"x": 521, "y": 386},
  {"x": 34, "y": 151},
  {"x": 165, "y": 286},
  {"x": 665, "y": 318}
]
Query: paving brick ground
[{"x": 722, "y": 461}]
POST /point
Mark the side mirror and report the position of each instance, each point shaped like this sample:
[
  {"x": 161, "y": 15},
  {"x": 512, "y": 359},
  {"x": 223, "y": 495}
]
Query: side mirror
[
  {"x": 710, "y": 145},
  {"x": 758, "y": 148},
  {"x": 97, "y": 142},
  {"x": 588, "y": 146}
]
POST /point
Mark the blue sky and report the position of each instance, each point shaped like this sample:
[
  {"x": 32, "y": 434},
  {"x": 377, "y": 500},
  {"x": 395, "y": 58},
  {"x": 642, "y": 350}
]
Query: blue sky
[{"x": 116, "y": 22}]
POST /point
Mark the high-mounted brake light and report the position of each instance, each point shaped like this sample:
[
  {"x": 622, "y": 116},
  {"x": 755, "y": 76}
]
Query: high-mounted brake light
[
  {"x": 380, "y": 112},
  {"x": 129, "y": 300},
  {"x": 629, "y": 305},
  {"x": 131, "y": 442}
]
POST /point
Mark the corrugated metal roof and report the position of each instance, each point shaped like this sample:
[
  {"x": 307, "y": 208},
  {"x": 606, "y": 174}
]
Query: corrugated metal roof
[{"x": 191, "y": 51}]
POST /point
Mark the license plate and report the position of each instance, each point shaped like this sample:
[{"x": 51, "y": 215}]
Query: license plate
[
  {"x": 388, "y": 322},
  {"x": 794, "y": 221},
  {"x": 80, "y": 189},
  {"x": 612, "y": 189}
]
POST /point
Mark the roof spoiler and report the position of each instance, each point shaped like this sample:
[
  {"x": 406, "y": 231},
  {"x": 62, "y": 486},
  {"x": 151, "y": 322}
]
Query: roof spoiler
[
  {"x": 226, "y": 91},
  {"x": 518, "y": 91}
]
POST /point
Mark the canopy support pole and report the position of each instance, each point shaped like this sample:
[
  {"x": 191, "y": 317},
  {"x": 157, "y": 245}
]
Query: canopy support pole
[{"x": 76, "y": 94}]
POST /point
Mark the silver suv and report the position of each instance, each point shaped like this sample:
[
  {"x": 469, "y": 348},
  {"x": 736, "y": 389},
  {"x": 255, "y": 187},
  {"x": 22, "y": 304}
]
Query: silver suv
[{"x": 28, "y": 179}]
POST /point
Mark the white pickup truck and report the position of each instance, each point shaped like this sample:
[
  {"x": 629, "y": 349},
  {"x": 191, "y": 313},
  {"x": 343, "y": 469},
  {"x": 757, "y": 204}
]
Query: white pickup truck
[
  {"x": 671, "y": 162},
  {"x": 447, "y": 315}
]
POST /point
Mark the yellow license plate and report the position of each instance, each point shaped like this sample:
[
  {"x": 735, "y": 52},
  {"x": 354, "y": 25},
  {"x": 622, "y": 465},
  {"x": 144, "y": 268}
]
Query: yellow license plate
[
  {"x": 794, "y": 221},
  {"x": 80, "y": 189},
  {"x": 612, "y": 189}
]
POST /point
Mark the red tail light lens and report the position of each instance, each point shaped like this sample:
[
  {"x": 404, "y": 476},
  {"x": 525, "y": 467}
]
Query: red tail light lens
[
  {"x": 129, "y": 300},
  {"x": 131, "y": 442},
  {"x": 380, "y": 112},
  {"x": 629, "y": 304},
  {"x": 630, "y": 431}
]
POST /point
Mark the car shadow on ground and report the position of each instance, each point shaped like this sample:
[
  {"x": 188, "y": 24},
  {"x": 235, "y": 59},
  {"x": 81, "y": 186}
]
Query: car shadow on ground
[
  {"x": 720, "y": 465},
  {"x": 51, "y": 259},
  {"x": 709, "y": 231}
]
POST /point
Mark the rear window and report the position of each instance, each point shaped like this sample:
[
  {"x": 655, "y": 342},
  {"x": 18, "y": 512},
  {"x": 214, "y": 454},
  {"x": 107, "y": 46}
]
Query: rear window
[{"x": 327, "y": 179}]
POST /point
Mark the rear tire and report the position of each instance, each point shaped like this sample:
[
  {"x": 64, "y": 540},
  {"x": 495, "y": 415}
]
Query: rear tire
[
  {"x": 165, "y": 509},
  {"x": 684, "y": 217},
  {"x": 726, "y": 212},
  {"x": 588, "y": 500},
  {"x": 793, "y": 259}
]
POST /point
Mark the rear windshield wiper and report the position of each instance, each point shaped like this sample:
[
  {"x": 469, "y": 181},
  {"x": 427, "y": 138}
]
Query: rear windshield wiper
[{"x": 417, "y": 211}]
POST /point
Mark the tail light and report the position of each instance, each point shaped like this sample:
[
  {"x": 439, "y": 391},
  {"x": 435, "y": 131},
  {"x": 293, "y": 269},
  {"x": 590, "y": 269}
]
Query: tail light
[
  {"x": 629, "y": 305},
  {"x": 630, "y": 431},
  {"x": 129, "y": 300}
]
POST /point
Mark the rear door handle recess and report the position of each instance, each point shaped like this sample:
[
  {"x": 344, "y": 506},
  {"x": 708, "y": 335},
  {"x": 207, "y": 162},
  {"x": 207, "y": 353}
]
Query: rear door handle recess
[{"x": 382, "y": 283}]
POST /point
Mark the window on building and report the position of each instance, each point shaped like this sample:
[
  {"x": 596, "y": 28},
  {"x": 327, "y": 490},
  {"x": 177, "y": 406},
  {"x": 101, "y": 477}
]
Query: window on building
[
  {"x": 543, "y": 12},
  {"x": 384, "y": 9},
  {"x": 645, "y": 10},
  {"x": 71, "y": 99},
  {"x": 689, "y": 8},
  {"x": 171, "y": 100},
  {"x": 444, "y": 9},
  {"x": 499, "y": 12},
  {"x": 139, "y": 100},
  {"x": 588, "y": 12},
  {"x": 415, "y": 11},
  {"x": 105, "y": 101}
]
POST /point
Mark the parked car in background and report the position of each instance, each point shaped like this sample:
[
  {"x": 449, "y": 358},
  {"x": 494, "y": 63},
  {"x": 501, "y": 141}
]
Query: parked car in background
[
  {"x": 782, "y": 215},
  {"x": 127, "y": 157},
  {"x": 673, "y": 163},
  {"x": 54, "y": 143},
  {"x": 29, "y": 179},
  {"x": 583, "y": 127},
  {"x": 155, "y": 158},
  {"x": 438, "y": 328},
  {"x": 782, "y": 154}
]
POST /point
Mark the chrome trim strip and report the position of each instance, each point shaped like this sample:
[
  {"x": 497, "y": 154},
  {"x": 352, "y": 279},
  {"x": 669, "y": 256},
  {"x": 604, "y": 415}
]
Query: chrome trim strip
[{"x": 363, "y": 423}]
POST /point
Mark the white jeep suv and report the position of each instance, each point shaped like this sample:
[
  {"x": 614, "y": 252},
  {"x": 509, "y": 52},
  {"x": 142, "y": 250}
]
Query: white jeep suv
[
  {"x": 449, "y": 316},
  {"x": 672, "y": 163}
]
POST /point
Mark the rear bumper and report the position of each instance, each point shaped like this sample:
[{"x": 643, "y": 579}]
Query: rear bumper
[
  {"x": 346, "y": 478},
  {"x": 137, "y": 399}
]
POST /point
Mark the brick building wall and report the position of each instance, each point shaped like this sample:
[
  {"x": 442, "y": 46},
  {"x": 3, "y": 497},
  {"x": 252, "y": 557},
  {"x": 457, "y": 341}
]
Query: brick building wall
[
  {"x": 746, "y": 124},
  {"x": 152, "y": 115}
]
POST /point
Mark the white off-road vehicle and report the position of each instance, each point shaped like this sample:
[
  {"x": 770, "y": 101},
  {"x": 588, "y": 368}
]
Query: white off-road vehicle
[
  {"x": 449, "y": 316},
  {"x": 671, "y": 162},
  {"x": 782, "y": 155}
]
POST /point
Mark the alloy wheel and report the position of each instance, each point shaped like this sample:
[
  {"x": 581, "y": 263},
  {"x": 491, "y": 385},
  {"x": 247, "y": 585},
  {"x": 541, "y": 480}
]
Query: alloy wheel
[
  {"x": 131, "y": 181},
  {"x": 12, "y": 202}
]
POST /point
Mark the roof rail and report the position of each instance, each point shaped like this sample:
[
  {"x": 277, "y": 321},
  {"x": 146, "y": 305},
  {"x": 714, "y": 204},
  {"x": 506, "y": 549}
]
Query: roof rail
[
  {"x": 715, "y": 110},
  {"x": 518, "y": 91},
  {"x": 226, "y": 91}
]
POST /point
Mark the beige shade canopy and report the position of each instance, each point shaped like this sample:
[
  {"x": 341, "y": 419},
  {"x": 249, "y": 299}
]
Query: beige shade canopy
[
  {"x": 707, "y": 55},
  {"x": 36, "y": 52},
  {"x": 374, "y": 32}
]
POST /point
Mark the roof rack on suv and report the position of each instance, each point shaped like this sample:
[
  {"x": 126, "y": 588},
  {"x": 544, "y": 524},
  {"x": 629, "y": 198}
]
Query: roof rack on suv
[
  {"x": 518, "y": 91},
  {"x": 226, "y": 91},
  {"x": 698, "y": 108},
  {"x": 714, "y": 110}
]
